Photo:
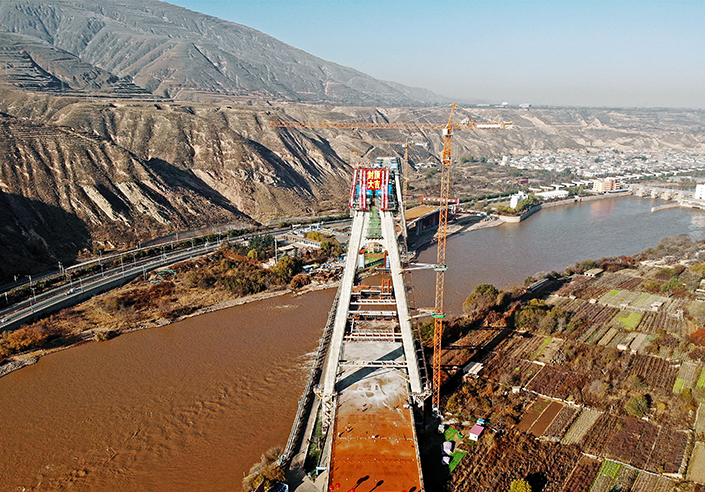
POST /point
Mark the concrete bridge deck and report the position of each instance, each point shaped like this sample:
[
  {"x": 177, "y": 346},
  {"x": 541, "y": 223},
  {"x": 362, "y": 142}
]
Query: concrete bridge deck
[
  {"x": 374, "y": 444},
  {"x": 372, "y": 385}
]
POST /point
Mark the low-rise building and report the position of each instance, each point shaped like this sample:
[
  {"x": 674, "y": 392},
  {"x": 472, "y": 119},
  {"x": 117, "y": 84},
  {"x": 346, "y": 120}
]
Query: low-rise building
[
  {"x": 515, "y": 199},
  {"x": 476, "y": 432},
  {"x": 699, "y": 192},
  {"x": 551, "y": 195}
]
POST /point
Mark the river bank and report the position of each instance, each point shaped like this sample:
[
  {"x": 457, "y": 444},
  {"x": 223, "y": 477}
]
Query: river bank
[
  {"x": 561, "y": 202},
  {"x": 466, "y": 224},
  {"x": 24, "y": 359}
]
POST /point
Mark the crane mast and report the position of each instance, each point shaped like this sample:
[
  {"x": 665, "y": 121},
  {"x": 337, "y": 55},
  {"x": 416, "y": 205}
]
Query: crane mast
[{"x": 438, "y": 312}]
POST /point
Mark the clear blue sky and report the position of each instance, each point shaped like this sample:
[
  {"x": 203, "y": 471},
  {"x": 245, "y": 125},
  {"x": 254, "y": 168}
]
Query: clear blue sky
[{"x": 568, "y": 52}]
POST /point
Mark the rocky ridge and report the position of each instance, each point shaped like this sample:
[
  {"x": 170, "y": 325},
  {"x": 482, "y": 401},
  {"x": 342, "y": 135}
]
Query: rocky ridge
[
  {"x": 177, "y": 53},
  {"x": 76, "y": 172}
]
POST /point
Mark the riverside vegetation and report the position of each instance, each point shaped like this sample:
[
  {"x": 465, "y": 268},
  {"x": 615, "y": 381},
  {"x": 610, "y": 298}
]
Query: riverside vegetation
[{"x": 233, "y": 272}]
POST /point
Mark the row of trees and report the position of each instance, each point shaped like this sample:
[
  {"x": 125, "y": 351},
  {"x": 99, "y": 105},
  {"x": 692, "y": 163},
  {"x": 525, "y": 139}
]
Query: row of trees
[{"x": 27, "y": 338}]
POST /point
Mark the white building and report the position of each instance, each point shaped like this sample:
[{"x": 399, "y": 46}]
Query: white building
[
  {"x": 515, "y": 199},
  {"x": 699, "y": 192},
  {"x": 549, "y": 195}
]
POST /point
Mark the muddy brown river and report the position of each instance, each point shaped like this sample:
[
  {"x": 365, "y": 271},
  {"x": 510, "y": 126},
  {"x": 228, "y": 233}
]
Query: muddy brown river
[
  {"x": 187, "y": 407},
  {"x": 191, "y": 406}
]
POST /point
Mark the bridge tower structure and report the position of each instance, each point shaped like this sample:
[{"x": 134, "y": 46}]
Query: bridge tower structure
[{"x": 372, "y": 383}]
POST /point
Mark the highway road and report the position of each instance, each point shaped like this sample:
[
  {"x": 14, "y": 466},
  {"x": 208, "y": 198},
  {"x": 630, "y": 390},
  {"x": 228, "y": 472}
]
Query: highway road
[
  {"x": 83, "y": 288},
  {"x": 79, "y": 290}
]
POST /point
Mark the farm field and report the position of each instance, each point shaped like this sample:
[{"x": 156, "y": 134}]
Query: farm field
[
  {"x": 548, "y": 350},
  {"x": 644, "y": 448},
  {"x": 614, "y": 476},
  {"x": 583, "y": 475},
  {"x": 517, "y": 371},
  {"x": 558, "y": 382},
  {"x": 696, "y": 467},
  {"x": 581, "y": 426},
  {"x": 632, "y": 442},
  {"x": 655, "y": 371},
  {"x": 560, "y": 424},
  {"x": 648, "y": 482},
  {"x": 605, "y": 369},
  {"x": 493, "y": 464},
  {"x": 687, "y": 376},
  {"x": 533, "y": 348},
  {"x": 476, "y": 339},
  {"x": 699, "y": 426},
  {"x": 701, "y": 380},
  {"x": 608, "y": 336},
  {"x": 544, "y": 420},
  {"x": 640, "y": 301},
  {"x": 626, "y": 311},
  {"x": 595, "y": 442},
  {"x": 532, "y": 414},
  {"x": 669, "y": 451},
  {"x": 627, "y": 320}
]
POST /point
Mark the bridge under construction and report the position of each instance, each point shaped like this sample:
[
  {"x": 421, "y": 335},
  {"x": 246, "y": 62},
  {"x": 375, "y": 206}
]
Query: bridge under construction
[
  {"x": 357, "y": 422},
  {"x": 367, "y": 390}
]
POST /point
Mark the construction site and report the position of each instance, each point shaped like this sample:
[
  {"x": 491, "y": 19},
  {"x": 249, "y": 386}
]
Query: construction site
[{"x": 370, "y": 392}]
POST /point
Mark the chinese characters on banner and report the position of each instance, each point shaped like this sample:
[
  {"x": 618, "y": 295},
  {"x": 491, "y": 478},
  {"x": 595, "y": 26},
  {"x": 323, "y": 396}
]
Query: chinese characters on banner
[
  {"x": 374, "y": 179},
  {"x": 369, "y": 183}
]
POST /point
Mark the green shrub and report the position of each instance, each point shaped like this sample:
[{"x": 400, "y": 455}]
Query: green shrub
[{"x": 637, "y": 406}]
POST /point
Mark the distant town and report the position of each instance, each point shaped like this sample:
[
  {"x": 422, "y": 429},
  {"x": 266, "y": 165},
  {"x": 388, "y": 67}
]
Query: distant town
[{"x": 623, "y": 165}]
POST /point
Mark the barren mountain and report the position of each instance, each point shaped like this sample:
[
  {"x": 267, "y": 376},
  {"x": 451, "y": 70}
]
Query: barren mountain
[
  {"x": 177, "y": 53},
  {"x": 37, "y": 66},
  {"x": 76, "y": 173},
  {"x": 88, "y": 157}
]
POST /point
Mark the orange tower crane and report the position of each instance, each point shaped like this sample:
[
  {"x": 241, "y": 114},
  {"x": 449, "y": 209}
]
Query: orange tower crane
[{"x": 440, "y": 268}]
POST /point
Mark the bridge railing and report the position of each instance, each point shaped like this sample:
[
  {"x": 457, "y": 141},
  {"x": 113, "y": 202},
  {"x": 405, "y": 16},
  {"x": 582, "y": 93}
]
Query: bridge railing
[{"x": 313, "y": 378}]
